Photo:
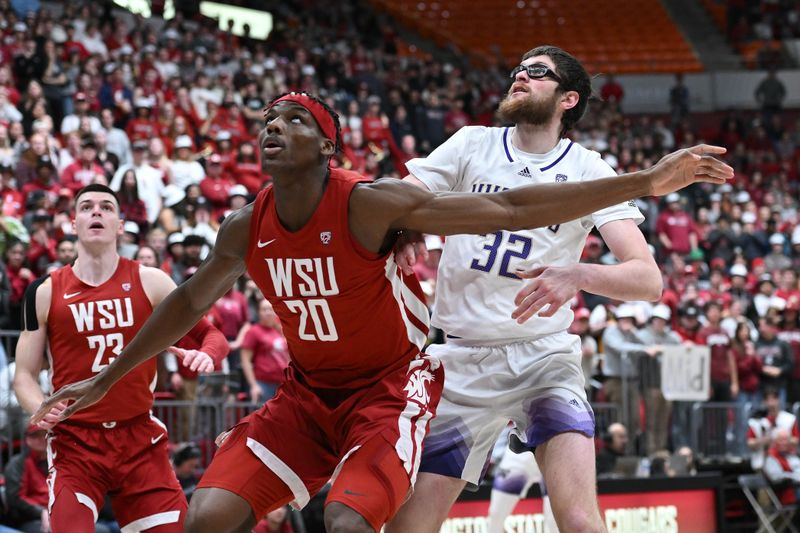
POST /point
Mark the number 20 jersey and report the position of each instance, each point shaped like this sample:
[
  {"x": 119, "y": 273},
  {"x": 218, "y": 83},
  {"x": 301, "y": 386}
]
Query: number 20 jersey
[
  {"x": 87, "y": 327},
  {"x": 348, "y": 315},
  {"x": 476, "y": 284}
]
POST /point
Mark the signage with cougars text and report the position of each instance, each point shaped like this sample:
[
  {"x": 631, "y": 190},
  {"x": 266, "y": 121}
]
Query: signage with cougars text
[{"x": 685, "y": 511}]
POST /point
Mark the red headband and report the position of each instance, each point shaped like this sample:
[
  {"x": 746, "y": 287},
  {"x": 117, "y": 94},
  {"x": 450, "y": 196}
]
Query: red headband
[{"x": 321, "y": 115}]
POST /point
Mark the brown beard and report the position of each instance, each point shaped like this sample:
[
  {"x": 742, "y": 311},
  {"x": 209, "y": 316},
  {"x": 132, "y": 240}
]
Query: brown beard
[{"x": 528, "y": 110}]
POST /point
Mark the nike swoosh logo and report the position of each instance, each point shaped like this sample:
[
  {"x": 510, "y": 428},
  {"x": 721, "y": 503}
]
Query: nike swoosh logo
[
  {"x": 351, "y": 493},
  {"x": 68, "y": 296},
  {"x": 156, "y": 439},
  {"x": 263, "y": 244}
]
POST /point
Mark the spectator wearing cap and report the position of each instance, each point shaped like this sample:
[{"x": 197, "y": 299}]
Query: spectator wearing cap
[
  {"x": 724, "y": 378},
  {"x": 200, "y": 95},
  {"x": 762, "y": 299},
  {"x": 184, "y": 170},
  {"x": 128, "y": 243},
  {"x": 738, "y": 289},
  {"x": 776, "y": 259},
  {"x": 675, "y": 228},
  {"x": 45, "y": 179},
  {"x": 85, "y": 170},
  {"x": 776, "y": 357},
  {"x": 216, "y": 186},
  {"x": 26, "y": 484},
  {"x": 657, "y": 409},
  {"x": 247, "y": 169},
  {"x": 225, "y": 148},
  {"x": 688, "y": 323},
  {"x": 115, "y": 93},
  {"x": 149, "y": 182},
  {"x": 580, "y": 327},
  {"x": 73, "y": 121},
  {"x": 752, "y": 240},
  {"x": 623, "y": 348},
  {"x": 117, "y": 141},
  {"x": 143, "y": 126},
  {"x": 72, "y": 45}
]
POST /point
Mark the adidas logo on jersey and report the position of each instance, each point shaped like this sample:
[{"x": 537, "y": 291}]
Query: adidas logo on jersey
[
  {"x": 574, "y": 403},
  {"x": 525, "y": 173}
]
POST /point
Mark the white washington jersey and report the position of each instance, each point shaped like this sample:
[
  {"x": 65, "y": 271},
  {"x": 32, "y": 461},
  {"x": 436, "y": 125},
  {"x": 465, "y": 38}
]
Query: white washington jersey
[{"x": 476, "y": 283}]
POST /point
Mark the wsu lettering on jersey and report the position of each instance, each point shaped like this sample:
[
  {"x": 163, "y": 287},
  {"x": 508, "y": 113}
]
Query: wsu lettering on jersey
[
  {"x": 111, "y": 314},
  {"x": 314, "y": 276}
]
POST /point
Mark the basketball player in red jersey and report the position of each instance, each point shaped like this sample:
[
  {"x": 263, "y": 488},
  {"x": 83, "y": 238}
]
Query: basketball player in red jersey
[
  {"x": 358, "y": 395},
  {"x": 85, "y": 313}
]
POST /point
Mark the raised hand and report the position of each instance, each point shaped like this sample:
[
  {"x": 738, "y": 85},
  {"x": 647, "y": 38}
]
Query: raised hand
[
  {"x": 690, "y": 165},
  {"x": 195, "y": 360}
]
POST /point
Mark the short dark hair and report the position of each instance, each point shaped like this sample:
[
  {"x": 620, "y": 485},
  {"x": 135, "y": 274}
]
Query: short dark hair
[
  {"x": 96, "y": 187},
  {"x": 573, "y": 78}
]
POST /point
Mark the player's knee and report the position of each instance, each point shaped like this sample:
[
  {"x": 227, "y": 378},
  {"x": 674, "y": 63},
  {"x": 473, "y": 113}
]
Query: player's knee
[
  {"x": 341, "y": 519},
  {"x": 580, "y": 520}
]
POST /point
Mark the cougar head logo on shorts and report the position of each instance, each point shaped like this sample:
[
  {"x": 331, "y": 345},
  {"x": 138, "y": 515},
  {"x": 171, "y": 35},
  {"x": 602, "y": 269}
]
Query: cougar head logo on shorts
[{"x": 417, "y": 386}]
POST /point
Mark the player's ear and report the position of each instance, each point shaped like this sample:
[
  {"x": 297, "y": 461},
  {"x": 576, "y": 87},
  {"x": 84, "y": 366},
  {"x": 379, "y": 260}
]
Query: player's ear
[
  {"x": 328, "y": 147},
  {"x": 570, "y": 99}
]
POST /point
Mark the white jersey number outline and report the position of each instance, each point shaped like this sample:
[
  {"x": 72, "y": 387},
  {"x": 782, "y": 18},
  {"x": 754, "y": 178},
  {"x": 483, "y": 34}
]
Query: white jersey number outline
[
  {"x": 319, "y": 311},
  {"x": 489, "y": 259},
  {"x": 101, "y": 342}
]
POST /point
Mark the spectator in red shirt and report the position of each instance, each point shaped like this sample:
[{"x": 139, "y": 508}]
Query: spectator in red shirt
[
  {"x": 689, "y": 324},
  {"x": 216, "y": 186},
  {"x": 19, "y": 278},
  {"x": 45, "y": 179},
  {"x": 131, "y": 207},
  {"x": 611, "y": 91},
  {"x": 143, "y": 125},
  {"x": 264, "y": 355},
  {"x": 26, "y": 484},
  {"x": 247, "y": 170},
  {"x": 12, "y": 201},
  {"x": 675, "y": 228},
  {"x": 85, "y": 170},
  {"x": 42, "y": 248},
  {"x": 456, "y": 118},
  {"x": 276, "y": 521},
  {"x": 724, "y": 378}
]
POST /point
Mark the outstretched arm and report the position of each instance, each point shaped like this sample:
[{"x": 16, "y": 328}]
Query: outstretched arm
[
  {"x": 173, "y": 317},
  {"x": 389, "y": 205}
]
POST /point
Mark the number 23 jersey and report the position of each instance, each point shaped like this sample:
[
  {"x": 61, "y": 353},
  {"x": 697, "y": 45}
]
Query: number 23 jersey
[
  {"x": 87, "y": 327},
  {"x": 476, "y": 284},
  {"x": 348, "y": 315}
]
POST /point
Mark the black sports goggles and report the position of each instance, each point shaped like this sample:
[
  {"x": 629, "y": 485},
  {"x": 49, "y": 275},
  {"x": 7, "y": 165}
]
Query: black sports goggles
[{"x": 536, "y": 71}]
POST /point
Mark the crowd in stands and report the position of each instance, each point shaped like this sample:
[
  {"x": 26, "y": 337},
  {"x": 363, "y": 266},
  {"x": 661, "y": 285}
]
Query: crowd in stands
[{"x": 167, "y": 114}]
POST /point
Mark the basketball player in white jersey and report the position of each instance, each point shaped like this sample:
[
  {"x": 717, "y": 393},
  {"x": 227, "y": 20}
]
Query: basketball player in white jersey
[{"x": 519, "y": 364}]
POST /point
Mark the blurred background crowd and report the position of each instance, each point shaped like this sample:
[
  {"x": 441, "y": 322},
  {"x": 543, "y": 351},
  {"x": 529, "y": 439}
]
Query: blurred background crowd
[{"x": 168, "y": 113}]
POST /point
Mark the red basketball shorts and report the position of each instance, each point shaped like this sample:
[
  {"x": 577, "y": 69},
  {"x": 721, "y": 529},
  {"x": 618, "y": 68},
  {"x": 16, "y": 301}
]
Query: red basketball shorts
[
  {"x": 128, "y": 461},
  {"x": 367, "y": 444}
]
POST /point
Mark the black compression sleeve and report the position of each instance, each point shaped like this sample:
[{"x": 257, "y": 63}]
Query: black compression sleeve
[{"x": 30, "y": 322}]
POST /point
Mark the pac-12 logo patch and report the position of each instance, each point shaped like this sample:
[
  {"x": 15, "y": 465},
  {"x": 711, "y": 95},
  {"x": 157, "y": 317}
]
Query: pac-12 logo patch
[
  {"x": 561, "y": 177},
  {"x": 325, "y": 237},
  {"x": 126, "y": 286}
]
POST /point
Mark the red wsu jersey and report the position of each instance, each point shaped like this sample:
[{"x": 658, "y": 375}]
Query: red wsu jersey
[
  {"x": 348, "y": 314},
  {"x": 87, "y": 328}
]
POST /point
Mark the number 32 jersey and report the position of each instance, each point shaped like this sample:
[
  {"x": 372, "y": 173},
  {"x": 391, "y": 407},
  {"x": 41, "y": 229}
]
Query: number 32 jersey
[
  {"x": 348, "y": 315},
  {"x": 476, "y": 284},
  {"x": 87, "y": 327}
]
